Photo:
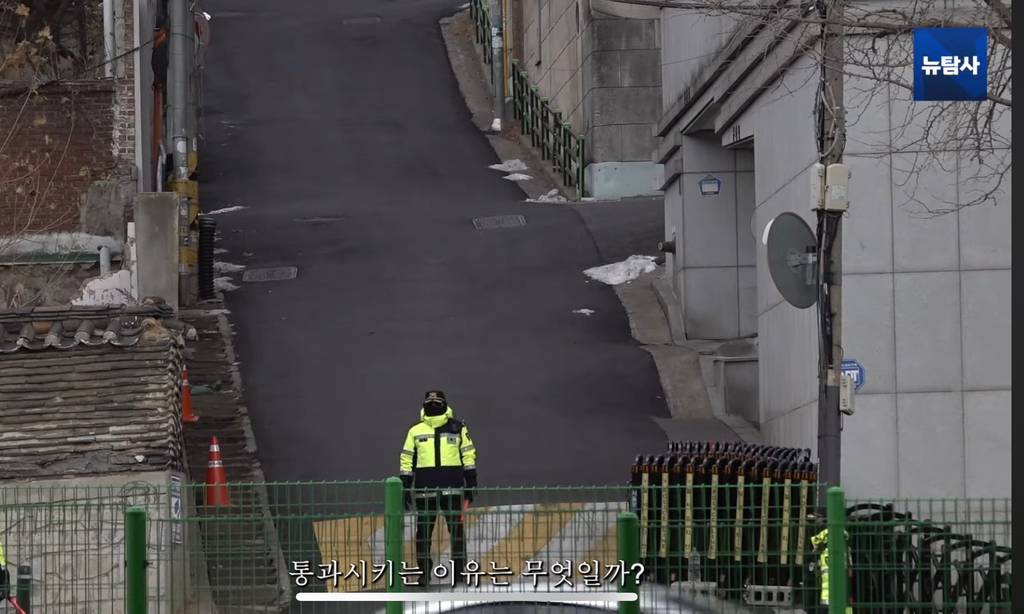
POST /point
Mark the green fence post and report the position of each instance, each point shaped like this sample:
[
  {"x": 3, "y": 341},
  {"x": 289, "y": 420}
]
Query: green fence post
[
  {"x": 629, "y": 554},
  {"x": 838, "y": 581},
  {"x": 394, "y": 515},
  {"x": 136, "y": 599}
]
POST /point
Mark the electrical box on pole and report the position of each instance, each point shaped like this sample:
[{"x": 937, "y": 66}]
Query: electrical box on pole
[{"x": 837, "y": 188}]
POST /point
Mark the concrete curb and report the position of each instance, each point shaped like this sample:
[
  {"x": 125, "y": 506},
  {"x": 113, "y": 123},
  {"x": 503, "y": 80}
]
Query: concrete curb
[
  {"x": 470, "y": 73},
  {"x": 270, "y": 532},
  {"x": 676, "y": 358},
  {"x": 669, "y": 306},
  {"x": 707, "y": 351},
  {"x": 255, "y": 470}
]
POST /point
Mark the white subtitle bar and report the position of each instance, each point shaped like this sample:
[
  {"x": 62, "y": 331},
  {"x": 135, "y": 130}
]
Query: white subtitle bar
[{"x": 466, "y": 598}]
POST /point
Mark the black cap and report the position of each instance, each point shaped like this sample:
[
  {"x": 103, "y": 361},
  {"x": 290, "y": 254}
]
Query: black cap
[{"x": 434, "y": 396}]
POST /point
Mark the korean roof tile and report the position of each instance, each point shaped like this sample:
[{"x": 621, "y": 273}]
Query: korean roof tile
[{"x": 86, "y": 391}]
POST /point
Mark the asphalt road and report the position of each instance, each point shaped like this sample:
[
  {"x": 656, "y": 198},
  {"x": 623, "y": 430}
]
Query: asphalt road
[{"x": 317, "y": 110}]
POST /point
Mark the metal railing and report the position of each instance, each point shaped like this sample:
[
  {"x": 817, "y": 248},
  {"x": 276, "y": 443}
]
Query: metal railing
[
  {"x": 548, "y": 133},
  {"x": 552, "y": 137},
  {"x": 676, "y": 546},
  {"x": 479, "y": 12}
]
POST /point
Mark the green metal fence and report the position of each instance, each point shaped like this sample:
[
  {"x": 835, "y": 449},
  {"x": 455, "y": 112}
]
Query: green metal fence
[
  {"x": 548, "y": 133},
  {"x": 552, "y": 137},
  {"x": 930, "y": 555},
  {"x": 676, "y": 546},
  {"x": 479, "y": 11}
]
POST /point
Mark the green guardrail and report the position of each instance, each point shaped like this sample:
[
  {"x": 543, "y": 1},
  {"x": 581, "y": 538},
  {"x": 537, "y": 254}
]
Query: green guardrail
[
  {"x": 548, "y": 133},
  {"x": 552, "y": 137},
  {"x": 665, "y": 545},
  {"x": 479, "y": 11}
]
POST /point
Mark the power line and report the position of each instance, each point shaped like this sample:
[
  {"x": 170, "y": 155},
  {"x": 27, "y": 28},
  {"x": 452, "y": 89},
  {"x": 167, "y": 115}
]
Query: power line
[{"x": 30, "y": 88}]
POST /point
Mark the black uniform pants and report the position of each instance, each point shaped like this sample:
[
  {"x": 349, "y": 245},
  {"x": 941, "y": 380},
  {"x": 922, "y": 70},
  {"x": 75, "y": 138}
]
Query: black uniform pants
[{"x": 448, "y": 505}]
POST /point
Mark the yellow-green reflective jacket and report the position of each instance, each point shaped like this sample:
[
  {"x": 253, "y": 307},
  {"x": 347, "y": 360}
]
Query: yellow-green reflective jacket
[
  {"x": 438, "y": 451},
  {"x": 819, "y": 540}
]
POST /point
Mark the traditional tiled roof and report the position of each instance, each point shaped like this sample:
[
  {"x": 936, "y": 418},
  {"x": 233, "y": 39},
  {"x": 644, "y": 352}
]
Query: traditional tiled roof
[{"x": 90, "y": 391}]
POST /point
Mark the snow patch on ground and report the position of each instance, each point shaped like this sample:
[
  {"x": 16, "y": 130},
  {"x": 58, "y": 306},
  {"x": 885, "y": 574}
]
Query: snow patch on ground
[
  {"x": 551, "y": 197},
  {"x": 584, "y": 312},
  {"x": 224, "y": 284},
  {"x": 517, "y": 177},
  {"x": 622, "y": 272},
  {"x": 230, "y": 209},
  {"x": 227, "y": 267},
  {"x": 510, "y": 166},
  {"x": 219, "y": 250}
]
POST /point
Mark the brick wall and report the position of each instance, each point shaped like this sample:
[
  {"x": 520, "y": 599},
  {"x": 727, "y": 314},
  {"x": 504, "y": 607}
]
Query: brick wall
[
  {"x": 59, "y": 145},
  {"x": 65, "y": 138}
]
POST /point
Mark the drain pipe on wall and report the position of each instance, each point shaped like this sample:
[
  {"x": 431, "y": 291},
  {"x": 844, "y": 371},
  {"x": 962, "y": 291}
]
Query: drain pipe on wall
[{"x": 109, "y": 39}]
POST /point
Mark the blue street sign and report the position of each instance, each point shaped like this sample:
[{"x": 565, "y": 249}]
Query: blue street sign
[
  {"x": 855, "y": 370},
  {"x": 950, "y": 64}
]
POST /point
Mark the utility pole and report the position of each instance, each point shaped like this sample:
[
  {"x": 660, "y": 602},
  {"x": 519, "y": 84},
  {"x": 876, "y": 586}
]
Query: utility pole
[
  {"x": 182, "y": 29},
  {"x": 498, "y": 62},
  {"x": 191, "y": 97},
  {"x": 832, "y": 141},
  {"x": 178, "y": 74}
]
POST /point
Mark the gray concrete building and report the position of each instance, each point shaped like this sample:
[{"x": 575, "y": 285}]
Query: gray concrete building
[
  {"x": 598, "y": 63},
  {"x": 926, "y": 297}
]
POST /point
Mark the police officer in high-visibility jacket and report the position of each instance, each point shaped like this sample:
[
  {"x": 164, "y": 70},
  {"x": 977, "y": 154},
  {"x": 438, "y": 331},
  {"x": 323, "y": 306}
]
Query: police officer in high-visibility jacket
[
  {"x": 820, "y": 543},
  {"x": 5, "y": 578},
  {"x": 439, "y": 462}
]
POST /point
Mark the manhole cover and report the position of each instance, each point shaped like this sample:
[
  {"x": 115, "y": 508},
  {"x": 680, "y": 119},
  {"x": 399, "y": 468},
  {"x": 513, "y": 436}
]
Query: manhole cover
[
  {"x": 364, "y": 20},
  {"x": 319, "y": 219},
  {"x": 277, "y": 273},
  {"x": 499, "y": 221}
]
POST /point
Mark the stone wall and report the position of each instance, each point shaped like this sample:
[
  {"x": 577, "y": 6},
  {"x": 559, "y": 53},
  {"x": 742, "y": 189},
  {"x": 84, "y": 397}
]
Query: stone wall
[{"x": 601, "y": 71}]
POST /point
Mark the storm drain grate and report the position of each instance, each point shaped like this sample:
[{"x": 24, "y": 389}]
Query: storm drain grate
[
  {"x": 321, "y": 219},
  {"x": 499, "y": 221},
  {"x": 277, "y": 273}
]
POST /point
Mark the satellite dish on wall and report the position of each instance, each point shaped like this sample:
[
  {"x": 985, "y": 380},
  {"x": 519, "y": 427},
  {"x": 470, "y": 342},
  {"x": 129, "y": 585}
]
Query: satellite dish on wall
[{"x": 792, "y": 260}]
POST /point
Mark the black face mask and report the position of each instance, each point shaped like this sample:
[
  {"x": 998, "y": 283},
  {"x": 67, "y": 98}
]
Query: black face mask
[{"x": 434, "y": 409}]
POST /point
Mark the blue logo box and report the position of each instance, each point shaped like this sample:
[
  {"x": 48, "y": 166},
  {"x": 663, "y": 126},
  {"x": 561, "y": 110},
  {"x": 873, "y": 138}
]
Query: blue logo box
[{"x": 950, "y": 64}]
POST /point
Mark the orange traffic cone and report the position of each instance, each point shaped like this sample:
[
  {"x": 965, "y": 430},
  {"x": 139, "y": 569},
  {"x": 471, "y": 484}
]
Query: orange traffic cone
[
  {"x": 186, "y": 399},
  {"x": 216, "y": 478}
]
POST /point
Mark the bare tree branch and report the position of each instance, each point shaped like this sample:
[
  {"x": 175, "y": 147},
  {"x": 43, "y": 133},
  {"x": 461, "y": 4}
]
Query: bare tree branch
[{"x": 970, "y": 138}]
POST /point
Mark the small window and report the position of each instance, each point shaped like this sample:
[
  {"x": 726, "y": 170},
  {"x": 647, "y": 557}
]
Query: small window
[{"x": 577, "y": 17}]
